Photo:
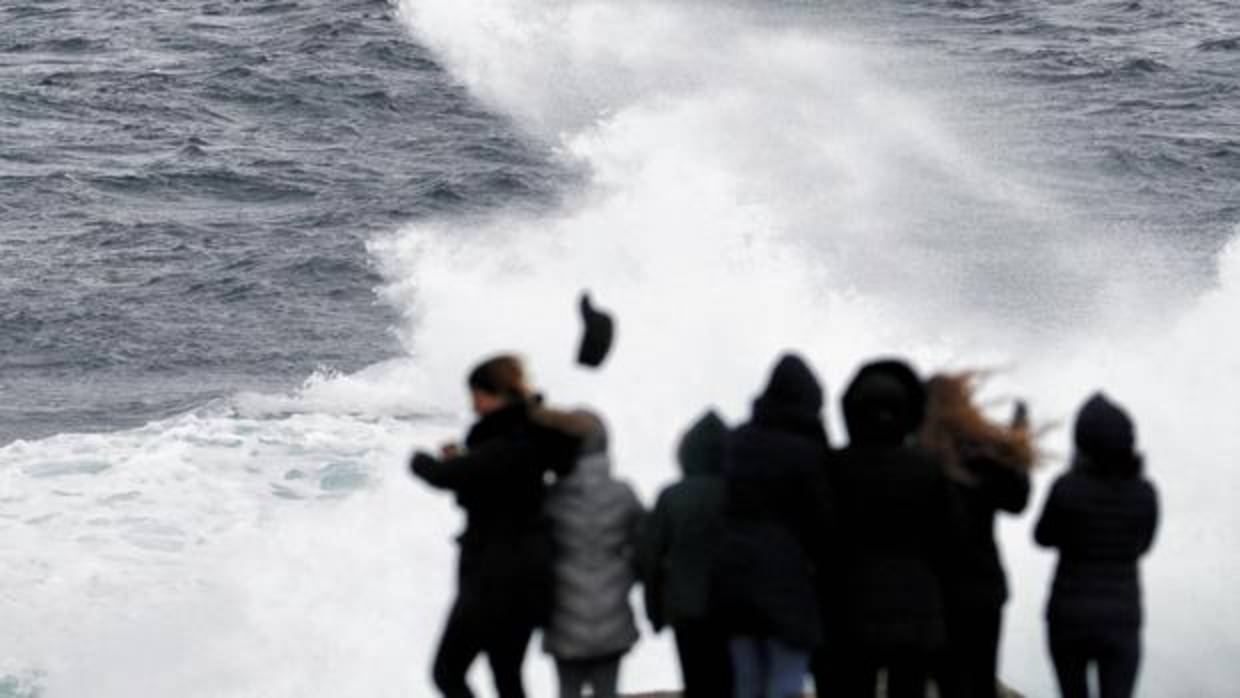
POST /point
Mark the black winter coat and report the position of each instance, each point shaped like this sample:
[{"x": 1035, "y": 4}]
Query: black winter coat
[
  {"x": 896, "y": 534},
  {"x": 1102, "y": 521},
  {"x": 897, "y": 523},
  {"x": 978, "y": 579},
  {"x": 506, "y": 550},
  {"x": 775, "y": 513},
  {"x": 681, "y": 536}
]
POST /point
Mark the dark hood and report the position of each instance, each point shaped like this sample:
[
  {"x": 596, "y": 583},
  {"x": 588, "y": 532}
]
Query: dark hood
[
  {"x": 792, "y": 399},
  {"x": 884, "y": 404},
  {"x": 1104, "y": 434},
  {"x": 594, "y": 431},
  {"x": 701, "y": 448}
]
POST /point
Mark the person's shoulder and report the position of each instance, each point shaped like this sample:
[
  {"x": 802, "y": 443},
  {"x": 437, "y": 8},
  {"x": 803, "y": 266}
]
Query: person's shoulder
[
  {"x": 629, "y": 493},
  {"x": 690, "y": 488},
  {"x": 1066, "y": 480},
  {"x": 669, "y": 495},
  {"x": 1076, "y": 486},
  {"x": 1147, "y": 489},
  {"x": 508, "y": 423},
  {"x": 478, "y": 432},
  {"x": 621, "y": 487},
  {"x": 923, "y": 458},
  {"x": 848, "y": 459},
  {"x": 920, "y": 463}
]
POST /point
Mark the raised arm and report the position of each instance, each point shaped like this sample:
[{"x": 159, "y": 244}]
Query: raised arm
[{"x": 1004, "y": 485}]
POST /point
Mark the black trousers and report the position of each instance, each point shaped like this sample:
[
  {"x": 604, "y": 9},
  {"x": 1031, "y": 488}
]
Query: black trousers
[
  {"x": 1115, "y": 652},
  {"x": 469, "y": 633},
  {"x": 601, "y": 674},
  {"x": 853, "y": 673},
  {"x": 970, "y": 666},
  {"x": 705, "y": 663}
]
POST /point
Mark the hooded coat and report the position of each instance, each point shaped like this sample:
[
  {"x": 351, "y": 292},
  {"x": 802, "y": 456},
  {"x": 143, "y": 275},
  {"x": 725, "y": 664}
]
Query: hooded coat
[
  {"x": 681, "y": 536},
  {"x": 896, "y": 521},
  {"x": 775, "y": 513},
  {"x": 1101, "y": 516},
  {"x": 504, "y": 573},
  {"x": 594, "y": 526}
]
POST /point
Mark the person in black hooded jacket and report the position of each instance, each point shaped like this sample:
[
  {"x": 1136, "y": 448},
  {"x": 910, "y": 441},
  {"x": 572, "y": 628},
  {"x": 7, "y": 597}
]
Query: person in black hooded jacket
[
  {"x": 896, "y": 525},
  {"x": 1101, "y": 515},
  {"x": 505, "y": 582},
  {"x": 678, "y": 548},
  {"x": 774, "y": 518}
]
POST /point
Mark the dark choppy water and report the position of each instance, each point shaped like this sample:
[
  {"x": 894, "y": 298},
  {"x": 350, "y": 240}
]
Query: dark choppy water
[
  {"x": 1141, "y": 96},
  {"x": 186, "y": 188}
]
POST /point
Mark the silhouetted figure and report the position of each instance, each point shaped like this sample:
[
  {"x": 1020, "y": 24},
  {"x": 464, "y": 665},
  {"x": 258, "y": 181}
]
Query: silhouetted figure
[
  {"x": 884, "y": 583},
  {"x": 595, "y": 521},
  {"x": 1101, "y": 515},
  {"x": 988, "y": 465},
  {"x": 504, "y": 576},
  {"x": 679, "y": 545},
  {"x": 774, "y": 519}
]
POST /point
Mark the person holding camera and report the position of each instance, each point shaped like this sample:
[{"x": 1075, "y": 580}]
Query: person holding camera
[{"x": 500, "y": 479}]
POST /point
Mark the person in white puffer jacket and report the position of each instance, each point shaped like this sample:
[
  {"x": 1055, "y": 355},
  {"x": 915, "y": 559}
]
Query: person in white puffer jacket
[{"x": 595, "y": 520}]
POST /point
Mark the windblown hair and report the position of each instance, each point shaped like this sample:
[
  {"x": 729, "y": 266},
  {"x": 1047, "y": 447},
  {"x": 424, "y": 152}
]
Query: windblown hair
[
  {"x": 957, "y": 430},
  {"x": 501, "y": 376}
]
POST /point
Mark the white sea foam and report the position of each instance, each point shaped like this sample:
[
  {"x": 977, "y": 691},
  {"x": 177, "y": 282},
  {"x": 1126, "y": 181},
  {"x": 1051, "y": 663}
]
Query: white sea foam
[{"x": 750, "y": 187}]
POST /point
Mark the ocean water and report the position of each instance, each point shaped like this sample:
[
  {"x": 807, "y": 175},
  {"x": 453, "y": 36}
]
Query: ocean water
[{"x": 248, "y": 250}]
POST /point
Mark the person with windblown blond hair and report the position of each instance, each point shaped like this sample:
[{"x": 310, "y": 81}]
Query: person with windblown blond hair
[{"x": 988, "y": 464}]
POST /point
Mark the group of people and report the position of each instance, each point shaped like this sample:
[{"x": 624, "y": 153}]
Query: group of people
[{"x": 779, "y": 555}]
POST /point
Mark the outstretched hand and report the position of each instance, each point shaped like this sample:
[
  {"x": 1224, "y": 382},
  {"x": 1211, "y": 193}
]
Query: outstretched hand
[{"x": 422, "y": 463}]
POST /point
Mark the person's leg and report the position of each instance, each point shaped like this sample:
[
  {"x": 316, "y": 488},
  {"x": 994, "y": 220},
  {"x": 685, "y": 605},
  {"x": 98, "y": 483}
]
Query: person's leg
[
  {"x": 985, "y": 674},
  {"x": 1069, "y": 654},
  {"x": 907, "y": 675},
  {"x": 748, "y": 670},
  {"x": 786, "y": 670},
  {"x": 693, "y": 664},
  {"x": 968, "y": 667},
  {"x": 822, "y": 668},
  {"x": 950, "y": 670},
  {"x": 849, "y": 673},
  {"x": 604, "y": 676},
  {"x": 705, "y": 664},
  {"x": 976, "y": 648},
  {"x": 1118, "y": 665},
  {"x": 844, "y": 670},
  {"x": 459, "y": 646},
  {"x": 505, "y": 648},
  {"x": 572, "y": 677}
]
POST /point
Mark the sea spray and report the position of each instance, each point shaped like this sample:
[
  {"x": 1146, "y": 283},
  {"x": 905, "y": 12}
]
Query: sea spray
[{"x": 776, "y": 193}]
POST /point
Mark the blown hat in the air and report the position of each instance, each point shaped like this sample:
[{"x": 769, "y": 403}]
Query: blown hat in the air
[{"x": 598, "y": 331}]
